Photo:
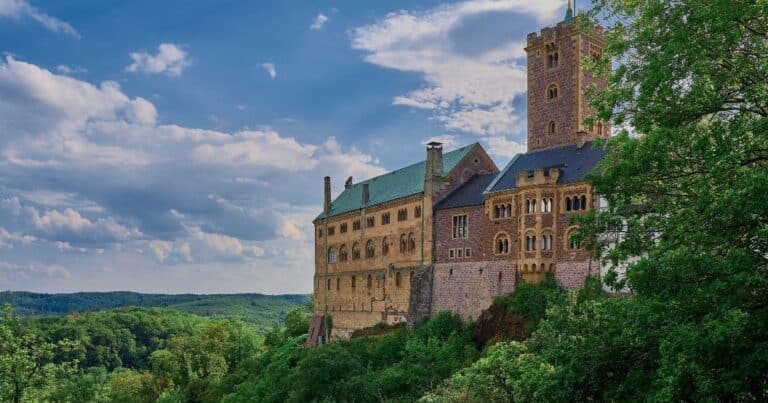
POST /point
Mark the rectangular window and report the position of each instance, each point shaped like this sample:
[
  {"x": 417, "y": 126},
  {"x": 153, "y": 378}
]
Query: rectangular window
[
  {"x": 460, "y": 226},
  {"x": 343, "y": 228},
  {"x": 385, "y": 218},
  {"x": 451, "y": 253},
  {"x": 356, "y": 225},
  {"x": 467, "y": 252},
  {"x": 331, "y": 231},
  {"x": 370, "y": 222},
  {"x": 402, "y": 214},
  {"x": 417, "y": 212},
  {"x": 459, "y": 253}
]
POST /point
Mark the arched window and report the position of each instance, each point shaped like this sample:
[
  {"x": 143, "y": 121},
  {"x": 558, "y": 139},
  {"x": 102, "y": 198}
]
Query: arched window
[
  {"x": 354, "y": 282},
  {"x": 551, "y": 267},
  {"x": 502, "y": 244},
  {"x": 411, "y": 242},
  {"x": 533, "y": 205},
  {"x": 576, "y": 204},
  {"x": 583, "y": 202},
  {"x": 553, "y": 58},
  {"x": 496, "y": 212},
  {"x": 369, "y": 283},
  {"x": 403, "y": 243},
  {"x": 355, "y": 251},
  {"x": 410, "y": 278},
  {"x": 509, "y": 209},
  {"x": 370, "y": 250},
  {"x": 385, "y": 246},
  {"x": 546, "y": 242},
  {"x": 525, "y": 268},
  {"x": 328, "y": 284},
  {"x": 343, "y": 253},
  {"x": 533, "y": 267},
  {"x": 551, "y": 128},
  {"x": 552, "y": 92},
  {"x": 568, "y": 204},
  {"x": 573, "y": 243},
  {"x": 397, "y": 280},
  {"x": 331, "y": 255}
]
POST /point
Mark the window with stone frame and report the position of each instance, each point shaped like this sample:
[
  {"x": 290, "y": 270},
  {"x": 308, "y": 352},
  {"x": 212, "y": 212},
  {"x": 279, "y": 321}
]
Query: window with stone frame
[
  {"x": 551, "y": 127},
  {"x": 403, "y": 243},
  {"x": 552, "y": 92},
  {"x": 402, "y": 214},
  {"x": 459, "y": 253},
  {"x": 370, "y": 250},
  {"x": 385, "y": 246},
  {"x": 467, "y": 252},
  {"x": 553, "y": 56},
  {"x": 331, "y": 255},
  {"x": 411, "y": 242},
  {"x": 530, "y": 243},
  {"x": 546, "y": 205},
  {"x": 573, "y": 243},
  {"x": 460, "y": 226},
  {"x": 370, "y": 222},
  {"x": 451, "y": 253},
  {"x": 355, "y": 251},
  {"x": 356, "y": 225},
  {"x": 546, "y": 242},
  {"x": 385, "y": 218},
  {"x": 501, "y": 244},
  {"x": 343, "y": 228},
  {"x": 343, "y": 253},
  {"x": 369, "y": 282},
  {"x": 417, "y": 212}
]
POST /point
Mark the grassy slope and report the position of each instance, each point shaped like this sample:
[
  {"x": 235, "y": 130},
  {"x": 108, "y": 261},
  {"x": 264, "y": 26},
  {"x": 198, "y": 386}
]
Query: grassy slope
[{"x": 257, "y": 309}]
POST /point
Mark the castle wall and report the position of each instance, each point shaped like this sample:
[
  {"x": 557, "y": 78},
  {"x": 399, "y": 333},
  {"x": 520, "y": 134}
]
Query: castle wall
[{"x": 468, "y": 288}]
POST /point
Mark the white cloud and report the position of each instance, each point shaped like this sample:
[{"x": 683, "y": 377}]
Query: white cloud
[
  {"x": 270, "y": 69},
  {"x": 502, "y": 147},
  {"x": 319, "y": 21},
  {"x": 90, "y": 173},
  {"x": 468, "y": 92},
  {"x": 170, "y": 60},
  {"x": 64, "y": 69},
  {"x": 21, "y": 8},
  {"x": 29, "y": 270}
]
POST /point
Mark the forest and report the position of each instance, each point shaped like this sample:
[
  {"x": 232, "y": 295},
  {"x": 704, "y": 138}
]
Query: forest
[{"x": 686, "y": 180}]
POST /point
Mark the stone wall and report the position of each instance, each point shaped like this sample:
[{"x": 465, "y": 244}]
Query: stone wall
[
  {"x": 468, "y": 288},
  {"x": 571, "y": 274}
]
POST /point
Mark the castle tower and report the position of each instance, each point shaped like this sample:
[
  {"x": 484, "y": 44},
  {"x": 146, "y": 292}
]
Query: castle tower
[{"x": 557, "y": 103}]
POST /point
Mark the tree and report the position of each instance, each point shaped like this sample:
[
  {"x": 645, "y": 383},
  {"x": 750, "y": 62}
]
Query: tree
[
  {"x": 689, "y": 182},
  {"x": 27, "y": 368}
]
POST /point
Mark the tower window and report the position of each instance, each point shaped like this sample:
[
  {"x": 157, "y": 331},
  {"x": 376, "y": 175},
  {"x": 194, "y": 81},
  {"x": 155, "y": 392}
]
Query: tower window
[
  {"x": 553, "y": 56},
  {"x": 552, "y": 92},
  {"x": 551, "y": 128}
]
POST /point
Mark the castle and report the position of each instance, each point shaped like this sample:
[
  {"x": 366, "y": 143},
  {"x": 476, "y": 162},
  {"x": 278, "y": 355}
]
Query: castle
[{"x": 453, "y": 232}]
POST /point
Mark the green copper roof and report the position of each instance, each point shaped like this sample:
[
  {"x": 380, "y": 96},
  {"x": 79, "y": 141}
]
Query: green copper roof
[{"x": 393, "y": 185}]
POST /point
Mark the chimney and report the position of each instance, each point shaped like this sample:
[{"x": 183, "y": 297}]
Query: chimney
[
  {"x": 433, "y": 168},
  {"x": 327, "y": 195},
  {"x": 366, "y": 194},
  {"x": 435, "y": 158},
  {"x": 348, "y": 183}
]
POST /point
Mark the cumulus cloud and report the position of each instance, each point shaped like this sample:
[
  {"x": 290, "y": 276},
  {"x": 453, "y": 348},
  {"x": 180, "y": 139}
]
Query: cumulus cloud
[
  {"x": 28, "y": 270},
  {"x": 21, "y": 8},
  {"x": 471, "y": 92},
  {"x": 319, "y": 21},
  {"x": 89, "y": 172},
  {"x": 170, "y": 60},
  {"x": 270, "y": 69},
  {"x": 64, "y": 69}
]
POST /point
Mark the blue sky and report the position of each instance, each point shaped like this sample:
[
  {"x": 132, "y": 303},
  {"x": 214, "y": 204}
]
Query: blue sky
[{"x": 179, "y": 146}]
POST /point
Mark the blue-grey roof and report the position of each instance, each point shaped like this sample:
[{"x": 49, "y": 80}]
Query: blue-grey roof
[
  {"x": 468, "y": 194},
  {"x": 397, "y": 184},
  {"x": 573, "y": 162}
]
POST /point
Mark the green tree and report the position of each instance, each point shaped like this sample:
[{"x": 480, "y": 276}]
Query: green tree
[
  {"x": 690, "y": 185},
  {"x": 27, "y": 367}
]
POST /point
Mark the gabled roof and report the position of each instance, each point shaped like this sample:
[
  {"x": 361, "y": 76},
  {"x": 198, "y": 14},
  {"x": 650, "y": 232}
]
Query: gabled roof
[
  {"x": 397, "y": 184},
  {"x": 573, "y": 162},
  {"x": 468, "y": 194}
]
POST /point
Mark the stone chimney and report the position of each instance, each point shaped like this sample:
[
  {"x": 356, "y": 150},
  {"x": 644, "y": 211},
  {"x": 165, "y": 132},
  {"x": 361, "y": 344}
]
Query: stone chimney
[
  {"x": 348, "y": 183},
  {"x": 327, "y": 195},
  {"x": 433, "y": 168},
  {"x": 366, "y": 194}
]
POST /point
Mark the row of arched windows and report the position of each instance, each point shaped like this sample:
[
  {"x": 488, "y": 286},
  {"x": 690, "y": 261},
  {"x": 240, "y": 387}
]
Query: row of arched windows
[
  {"x": 501, "y": 244},
  {"x": 407, "y": 245},
  {"x": 576, "y": 203},
  {"x": 502, "y": 210},
  {"x": 368, "y": 281}
]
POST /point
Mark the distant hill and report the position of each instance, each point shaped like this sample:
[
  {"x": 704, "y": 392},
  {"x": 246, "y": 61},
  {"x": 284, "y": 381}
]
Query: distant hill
[{"x": 260, "y": 310}]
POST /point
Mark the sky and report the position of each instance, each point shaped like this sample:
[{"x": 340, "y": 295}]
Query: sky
[{"x": 180, "y": 146}]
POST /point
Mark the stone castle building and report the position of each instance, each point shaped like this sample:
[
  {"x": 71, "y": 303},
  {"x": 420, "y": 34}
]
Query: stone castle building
[{"x": 453, "y": 232}]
